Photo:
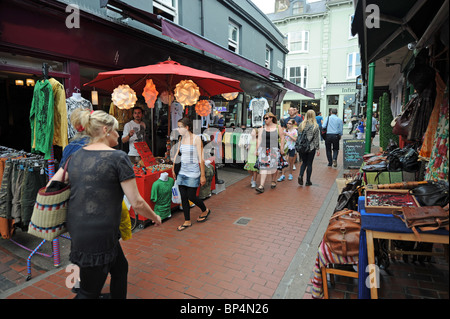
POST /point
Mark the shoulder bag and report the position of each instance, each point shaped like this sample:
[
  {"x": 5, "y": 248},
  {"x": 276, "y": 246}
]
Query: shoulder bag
[{"x": 48, "y": 220}]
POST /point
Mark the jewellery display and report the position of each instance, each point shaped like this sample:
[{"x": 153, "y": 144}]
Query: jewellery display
[{"x": 385, "y": 202}]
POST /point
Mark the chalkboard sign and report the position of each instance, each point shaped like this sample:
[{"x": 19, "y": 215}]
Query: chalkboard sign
[{"x": 353, "y": 153}]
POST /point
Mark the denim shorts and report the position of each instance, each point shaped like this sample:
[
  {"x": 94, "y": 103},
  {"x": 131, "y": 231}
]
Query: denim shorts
[
  {"x": 291, "y": 153},
  {"x": 188, "y": 181}
]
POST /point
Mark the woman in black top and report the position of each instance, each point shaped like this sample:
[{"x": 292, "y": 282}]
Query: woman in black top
[{"x": 99, "y": 176}]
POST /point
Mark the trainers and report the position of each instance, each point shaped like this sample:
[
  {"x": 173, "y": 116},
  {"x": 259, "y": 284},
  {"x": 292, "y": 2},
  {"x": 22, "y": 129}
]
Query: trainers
[
  {"x": 294, "y": 168},
  {"x": 290, "y": 177},
  {"x": 282, "y": 177},
  {"x": 253, "y": 184},
  {"x": 334, "y": 163}
]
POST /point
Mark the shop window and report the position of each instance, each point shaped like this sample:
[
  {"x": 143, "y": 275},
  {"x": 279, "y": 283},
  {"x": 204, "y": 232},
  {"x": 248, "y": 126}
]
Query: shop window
[
  {"x": 333, "y": 100},
  {"x": 233, "y": 37}
]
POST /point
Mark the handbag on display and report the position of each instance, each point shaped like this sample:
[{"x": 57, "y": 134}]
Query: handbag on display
[
  {"x": 48, "y": 220},
  {"x": 425, "y": 218},
  {"x": 431, "y": 194},
  {"x": 403, "y": 122},
  {"x": 342, "y": 234}
]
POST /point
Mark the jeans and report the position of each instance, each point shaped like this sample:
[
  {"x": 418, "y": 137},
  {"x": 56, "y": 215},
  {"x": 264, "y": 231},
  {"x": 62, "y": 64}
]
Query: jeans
[
  {"x": 92, "y": 279},
  {"x": 307, "y": 163},
  {"x": 332, "y": 147}
]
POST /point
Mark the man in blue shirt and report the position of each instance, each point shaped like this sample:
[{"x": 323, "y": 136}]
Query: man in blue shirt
[
  {"x": 335, "y": 130},
  {"x": 319, "y": 120}
]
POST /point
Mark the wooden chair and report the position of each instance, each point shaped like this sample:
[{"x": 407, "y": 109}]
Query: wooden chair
[{"x": 332, "y": 272}]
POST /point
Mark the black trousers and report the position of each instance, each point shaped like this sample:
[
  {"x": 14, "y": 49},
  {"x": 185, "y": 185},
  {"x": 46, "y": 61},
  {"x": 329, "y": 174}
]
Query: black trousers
[
  {"x": 92, "y": 279},
  {"x": 307, "y": 163},
  {"x": 332, "y": 147},
  {"x": 190, "y": 194}
]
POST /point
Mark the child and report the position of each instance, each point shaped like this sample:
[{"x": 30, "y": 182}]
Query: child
[
  {"x": 291, "y": 136},
  {"x": 251, "y": 158}
]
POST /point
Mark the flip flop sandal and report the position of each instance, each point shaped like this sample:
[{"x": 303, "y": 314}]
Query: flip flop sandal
[
  {"x": 260, "y": 189},
  {"x": 183, "y": 227},
  {"x": 274, "y": 184},
  {"x": 202, "y": 219}
]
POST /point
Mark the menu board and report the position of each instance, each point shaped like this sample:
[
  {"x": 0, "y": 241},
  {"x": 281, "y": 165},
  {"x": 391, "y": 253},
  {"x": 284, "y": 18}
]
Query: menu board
[{"x": 353, "y": 153}]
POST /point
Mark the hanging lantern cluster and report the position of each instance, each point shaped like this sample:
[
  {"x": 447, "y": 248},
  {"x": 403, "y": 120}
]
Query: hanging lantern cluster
[
  {"x": 150, "y": 94},
  {"x": 124, "y": 97},
  {"x": 230, "y": 96},
  {"x": 187, "y": 92},
  {"x": 203, "y": 108}
]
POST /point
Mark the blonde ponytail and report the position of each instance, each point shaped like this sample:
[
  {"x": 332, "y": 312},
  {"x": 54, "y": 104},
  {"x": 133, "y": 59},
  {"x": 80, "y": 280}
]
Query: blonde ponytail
[{"x": 91, "y": 123}]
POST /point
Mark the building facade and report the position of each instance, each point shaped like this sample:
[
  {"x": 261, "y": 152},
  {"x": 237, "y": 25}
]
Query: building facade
[{"x": 323, "y": 55}]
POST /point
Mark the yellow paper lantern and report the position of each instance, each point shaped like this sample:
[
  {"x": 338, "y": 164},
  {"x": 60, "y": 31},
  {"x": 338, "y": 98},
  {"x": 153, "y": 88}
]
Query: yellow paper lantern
[
  {"x": 230, "y": 96},
  {"x": 203, "y": 108},
  {"x": 187, "y": 92},
  {"x": 124, "y": 97},
  {"x": 150, "y": 94},
  {"x": 166, "y": 97}
]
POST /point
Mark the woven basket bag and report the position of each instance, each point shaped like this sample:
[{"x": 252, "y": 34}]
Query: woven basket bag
[{"x": 48, "y": 220}]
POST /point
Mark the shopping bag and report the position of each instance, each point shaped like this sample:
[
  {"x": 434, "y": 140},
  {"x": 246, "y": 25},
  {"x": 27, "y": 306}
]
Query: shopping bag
[{"x": 176, "y": 197}]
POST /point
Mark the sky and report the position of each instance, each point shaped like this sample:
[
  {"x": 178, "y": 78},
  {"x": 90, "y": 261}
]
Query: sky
[{"x": 268, "y": 6}]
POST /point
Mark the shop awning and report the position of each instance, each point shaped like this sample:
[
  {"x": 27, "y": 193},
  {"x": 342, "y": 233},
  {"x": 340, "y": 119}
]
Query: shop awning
[{"x": 401, "y": 22}]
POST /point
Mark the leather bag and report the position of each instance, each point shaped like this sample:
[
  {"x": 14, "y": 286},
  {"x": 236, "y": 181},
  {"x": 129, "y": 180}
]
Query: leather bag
[
  {"x": 403, "y": 123},
  {"x": 431, "y": 194},
  {"x": 425, "y": 218},
  {"x": 342, "y": 234}
]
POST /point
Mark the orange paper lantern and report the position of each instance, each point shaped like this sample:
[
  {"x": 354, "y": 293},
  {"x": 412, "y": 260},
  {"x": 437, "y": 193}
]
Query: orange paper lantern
[
  {"x": 203, "y": 108},
  {"x": 150, "y": 94}
]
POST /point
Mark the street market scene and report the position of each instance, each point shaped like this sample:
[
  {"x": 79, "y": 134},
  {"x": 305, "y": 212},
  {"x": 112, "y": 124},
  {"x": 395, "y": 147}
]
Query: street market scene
[{"x": 193, "y": 150}]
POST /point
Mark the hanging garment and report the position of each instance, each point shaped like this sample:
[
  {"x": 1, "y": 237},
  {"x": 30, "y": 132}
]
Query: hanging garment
[
  {"x": 122, "y": 116},
  {"x": 176, "y": 113},
  {"x": 41, "y": 118},
  {"x": 258, "y": 108},
  {"x": 437, "y": 168},
  {"x": 72, "y": 105},
  {"x": 60, "y": 124},
  {"x": 161, "y": 195},
  {"x": 428, "y": 139}
]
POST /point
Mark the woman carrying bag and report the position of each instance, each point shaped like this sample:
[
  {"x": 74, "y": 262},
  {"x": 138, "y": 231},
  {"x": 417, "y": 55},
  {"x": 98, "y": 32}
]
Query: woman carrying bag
[
  {"x": 191, "y": 173},
  {"x": 312, "y": 131},
  {"x": 99, "y": 175}
]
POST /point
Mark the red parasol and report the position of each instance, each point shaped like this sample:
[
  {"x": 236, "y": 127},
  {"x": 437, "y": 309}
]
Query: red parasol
[{"x": 165, "y": 75}]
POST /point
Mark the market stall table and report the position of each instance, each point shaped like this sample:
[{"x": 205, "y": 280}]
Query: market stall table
[{"x": 383, "y": 226}]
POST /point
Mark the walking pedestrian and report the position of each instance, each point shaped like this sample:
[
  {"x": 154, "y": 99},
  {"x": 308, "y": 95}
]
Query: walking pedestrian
[
  {"x": 99, "y": 176},
  {"x": 309, "y": 127},
  {"x": 192, "y": 172},
  {"x": 319, "y": 119},
  {"x": 335, "y": 130},
  {"x": 290, "y": 136},
  {"x": 251, "y": 158},
  {"x": 270, "y": 157}
]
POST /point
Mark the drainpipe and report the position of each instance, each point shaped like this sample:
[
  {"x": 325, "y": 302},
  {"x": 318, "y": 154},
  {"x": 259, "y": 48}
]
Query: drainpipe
[{"x": 369, "y": 109}]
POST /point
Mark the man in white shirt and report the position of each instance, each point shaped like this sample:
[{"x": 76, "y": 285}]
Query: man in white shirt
[
  {"x": 134, "y": 131},
  {"x": 375, "y": 128}
]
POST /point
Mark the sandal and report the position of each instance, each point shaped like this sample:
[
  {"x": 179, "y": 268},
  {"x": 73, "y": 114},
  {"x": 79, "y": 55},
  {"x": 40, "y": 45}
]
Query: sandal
[
  {"x": 274, "y": 184},
  {"x": 202, "y": 219},
  {"x": 260, "y": 189},
  {"x": 183, "y": 227}
]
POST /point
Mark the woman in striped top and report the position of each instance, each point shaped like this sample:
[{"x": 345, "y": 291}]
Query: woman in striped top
[{"x": 192, "y": 172}]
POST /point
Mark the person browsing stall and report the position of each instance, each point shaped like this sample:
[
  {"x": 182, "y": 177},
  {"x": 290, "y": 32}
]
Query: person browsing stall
[{"x": 99, "y": 176}]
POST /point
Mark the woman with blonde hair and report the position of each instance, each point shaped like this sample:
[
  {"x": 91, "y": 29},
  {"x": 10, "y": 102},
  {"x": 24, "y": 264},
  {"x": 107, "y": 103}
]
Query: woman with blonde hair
[
  {"x": 270, "y": 152},
  {"x": 99, "y": 176},
  {"x": 309, "y": 127}
]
